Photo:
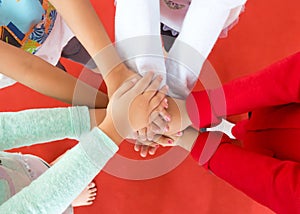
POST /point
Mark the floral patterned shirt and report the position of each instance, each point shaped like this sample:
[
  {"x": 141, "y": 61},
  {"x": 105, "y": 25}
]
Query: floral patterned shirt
[{"x": 26, "y": 30}]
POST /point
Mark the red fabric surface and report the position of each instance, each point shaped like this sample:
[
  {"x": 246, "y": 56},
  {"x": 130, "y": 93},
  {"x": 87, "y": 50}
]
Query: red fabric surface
[
  {"x": 273, "y": 129},
  {"x": 266, "y": 32}
]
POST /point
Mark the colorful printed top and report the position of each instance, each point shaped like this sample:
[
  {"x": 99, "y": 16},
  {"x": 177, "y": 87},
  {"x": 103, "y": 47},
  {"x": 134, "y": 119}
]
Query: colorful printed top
[{"x": 26, "y": 23}]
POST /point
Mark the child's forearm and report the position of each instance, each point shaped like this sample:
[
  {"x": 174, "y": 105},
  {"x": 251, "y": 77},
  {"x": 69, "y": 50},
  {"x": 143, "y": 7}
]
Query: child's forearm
[
  {"x": 47, "y": 79},
  {"x": 188, "y": 139},
  {"x": 80, "y": 16},
  {"x": 97, "y": 116}
]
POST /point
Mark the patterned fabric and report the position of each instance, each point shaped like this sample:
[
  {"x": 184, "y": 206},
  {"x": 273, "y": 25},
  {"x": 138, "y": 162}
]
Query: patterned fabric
[
  {"x": 31, "y": 41},
  {"x": 176, "y": 6}
]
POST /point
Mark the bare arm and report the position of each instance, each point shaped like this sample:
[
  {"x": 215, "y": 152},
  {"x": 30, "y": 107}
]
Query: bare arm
[
  {"x": 47, "y": 79},
  {"x": 95, "y": 39}
]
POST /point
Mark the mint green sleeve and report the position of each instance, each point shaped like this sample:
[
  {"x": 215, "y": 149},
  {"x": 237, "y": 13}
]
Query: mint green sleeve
[
  {"x": 54, "y": 190},
  {"x": 35, "y": 126}
]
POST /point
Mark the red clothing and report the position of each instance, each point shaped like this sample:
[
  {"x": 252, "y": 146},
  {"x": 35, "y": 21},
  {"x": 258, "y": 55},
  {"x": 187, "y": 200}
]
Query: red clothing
[{"x": 268, "y": 167}]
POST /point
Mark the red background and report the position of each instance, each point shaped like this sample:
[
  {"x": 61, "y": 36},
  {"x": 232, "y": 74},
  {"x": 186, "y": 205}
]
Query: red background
[{"x": 267, "y": 31}]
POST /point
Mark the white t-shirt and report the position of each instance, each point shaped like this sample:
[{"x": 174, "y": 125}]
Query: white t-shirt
[
  {"x": 173, "y": 13},
  {"x": 200, "y": 23}
]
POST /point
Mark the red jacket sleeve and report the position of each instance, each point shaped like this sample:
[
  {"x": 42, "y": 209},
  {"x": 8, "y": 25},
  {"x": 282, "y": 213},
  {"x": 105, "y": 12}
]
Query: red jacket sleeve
[
  {"x": 269, "y": 181},
  {"x": 275, "y": 85}
]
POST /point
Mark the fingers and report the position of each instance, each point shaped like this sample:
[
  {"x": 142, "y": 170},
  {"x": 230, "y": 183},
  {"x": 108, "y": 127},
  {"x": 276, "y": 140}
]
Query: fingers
[
  {"x": 165, "y": 141},
  {"x": 154, "y": 86},
  {"x": 126, "y": 86},
  {"x": 158, "y": 98},
  {"x": 143, "y": 83},
  {"x": 152, "y": 149},
  {"x": 137, "y": 146},
  {"x": 146, "y": 149},
  {"x": 150, "y": 133},
  {"x": 140, "y": 147},
  {"x": 161, "y": 111},
  {"x": 142, "y": 136},
  {"x": 158, "y": 125},
  {"x": 164, "y": 90}
]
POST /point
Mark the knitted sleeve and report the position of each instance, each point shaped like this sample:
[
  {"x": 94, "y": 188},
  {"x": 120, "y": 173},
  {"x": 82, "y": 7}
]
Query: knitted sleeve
[
  {"x": 54, "y": 190},
  {"x": 42, "y": 125}
]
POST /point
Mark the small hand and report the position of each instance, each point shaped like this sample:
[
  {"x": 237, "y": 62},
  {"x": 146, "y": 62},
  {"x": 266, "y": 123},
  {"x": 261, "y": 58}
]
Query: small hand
[
  {"x": 149, "y": 106},
  {"x": 132, "y": 104},
  {"x": 146, "y": 147}
]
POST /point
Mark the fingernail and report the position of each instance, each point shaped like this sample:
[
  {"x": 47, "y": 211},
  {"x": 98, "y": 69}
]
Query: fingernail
[
  {"x": 166, "y": 105},
  {"x": 170, "y": 141},
  {"x": 166, "y": 128},
  {"x": 167, "y": 118},
  {"x": 179, "y": 133},
  {"x": 134, "y": 80}
]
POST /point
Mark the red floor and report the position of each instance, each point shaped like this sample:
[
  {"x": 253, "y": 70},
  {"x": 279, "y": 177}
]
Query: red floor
[{"x": 267, "y": 31}]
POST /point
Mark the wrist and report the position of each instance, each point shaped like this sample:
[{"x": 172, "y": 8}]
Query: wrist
[
  {"x": 180, "y": 119},
  {"x": 97, "y": 116},
  {"x": 188, "y": 138},
  {"x": 108, "y": 128},
  {"x": 183, "y": 112},
  {"x": 116, "y": 77}
]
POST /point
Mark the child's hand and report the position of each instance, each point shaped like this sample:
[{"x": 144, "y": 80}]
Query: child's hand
[
  {"x": 145, "y": 147},
  {"x": 184, "y": 139},
  {"x": 167, "y": 125},
  {"x": 180, "y": 118},
  {"x": 149, "y": 106},
  {"x": 180, "y": 121},
  {"x": 131, "y": 106}
]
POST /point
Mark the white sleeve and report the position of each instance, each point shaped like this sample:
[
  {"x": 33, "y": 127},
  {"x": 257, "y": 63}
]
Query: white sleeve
[
  {"x": 201, "y": 28},
  {"x": 229, "y": 4},
  {"x": 137, "y": 32}
]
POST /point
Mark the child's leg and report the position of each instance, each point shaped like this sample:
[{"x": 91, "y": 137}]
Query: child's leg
[{"x": 87, "y": 196}]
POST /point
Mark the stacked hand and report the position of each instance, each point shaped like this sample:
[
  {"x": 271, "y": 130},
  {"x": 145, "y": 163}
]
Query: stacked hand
[
  {"x": 137, "y": 104},
  {"x": 139, "y": 109},
  {"x": 167, "y": 137}
]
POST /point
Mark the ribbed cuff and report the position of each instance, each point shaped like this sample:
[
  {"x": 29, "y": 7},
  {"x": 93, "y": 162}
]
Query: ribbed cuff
[
  {"x": 99, "y": 147},
  {"x": 80, "y": 120}
]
